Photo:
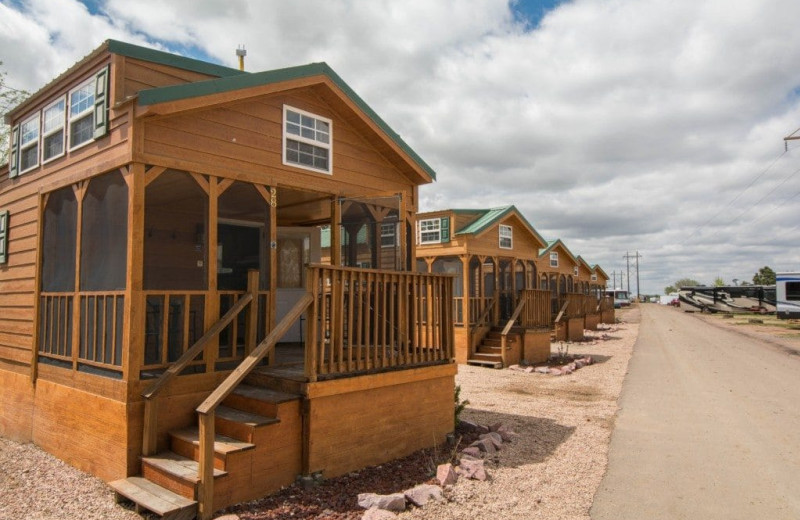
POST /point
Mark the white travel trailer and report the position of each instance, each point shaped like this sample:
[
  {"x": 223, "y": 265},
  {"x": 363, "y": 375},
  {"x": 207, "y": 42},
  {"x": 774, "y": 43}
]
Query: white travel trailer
[{"x": 787, "y": 289}]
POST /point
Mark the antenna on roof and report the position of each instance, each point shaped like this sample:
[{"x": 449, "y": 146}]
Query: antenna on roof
[{"x": 241, "y": 53}]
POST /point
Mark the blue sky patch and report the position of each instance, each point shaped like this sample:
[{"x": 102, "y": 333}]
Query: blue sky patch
[{"x": 531, "y": 12}]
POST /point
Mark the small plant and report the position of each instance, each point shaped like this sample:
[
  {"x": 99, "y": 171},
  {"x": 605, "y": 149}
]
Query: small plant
[{"x": 460, "y": 405}]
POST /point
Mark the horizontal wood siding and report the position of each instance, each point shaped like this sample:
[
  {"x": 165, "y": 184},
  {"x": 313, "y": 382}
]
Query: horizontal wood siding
[
  {"x": 16, "y": 405},
  {"x": 139, "y": 75},
  {"x": 244, "y": 140},
  {"x": 395, "y": 418}
]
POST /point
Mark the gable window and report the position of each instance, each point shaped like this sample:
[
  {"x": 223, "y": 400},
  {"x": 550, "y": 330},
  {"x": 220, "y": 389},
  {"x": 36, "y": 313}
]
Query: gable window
[
  {"x": 594, "y": 277},
  {"x": 575, "y": 270},
  {"x": 81, "y": 115},
  {"x": 3, "y": 237},
  {"x": 306, "y": 140},
  {"x": 388, "y": 234},
  {"x": 506, "y": 237},
  {"x": 53, "y": 118},
  {"x": 29, "y": 144},
  {"x": 554, "y": 259},
  {"x": 430, "y": 231}
]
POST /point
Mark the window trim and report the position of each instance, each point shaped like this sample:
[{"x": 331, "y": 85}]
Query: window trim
[
  {"x": 88, "y": 112},
  {"x": 438, "y": 231},
  {"x": 63, "y": 129},
  {"x": 35, "y": 142},
  {"x": 4, "y": 218},
  {"x": 575, "y": 270},
  {"x": 510, "y": 237},
  {"x": 395, "y": 235},
  {"x": 301, "y": 139},
  {"x": 594, "y": 277},
  {"x": 553, "y": 257}
]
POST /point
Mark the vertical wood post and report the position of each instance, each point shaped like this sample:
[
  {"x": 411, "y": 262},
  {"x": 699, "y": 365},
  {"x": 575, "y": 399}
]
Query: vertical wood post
[
  {"x": 37, "y": 305},
  {"x": 205, "y": 488},
  {"x": 251, "y": 323},
  {"x": 273, "y": 265},
  {"x": 150, "y": 427},
  {"x": 134, "y": 307},
  {"x": 336, "y": 238},
  {"x": 312, "y": 324},
  {"x": 212, "y": 298}
]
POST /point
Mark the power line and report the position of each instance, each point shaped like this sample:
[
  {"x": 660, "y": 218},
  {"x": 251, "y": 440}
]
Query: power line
[
  {"x": 784, "y": 181},
  {"x": 763, "y": 172}
]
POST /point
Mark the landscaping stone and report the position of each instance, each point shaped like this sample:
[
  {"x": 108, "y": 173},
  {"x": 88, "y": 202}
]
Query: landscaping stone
[
  {"x": 506, "y": 434},
  {"x": 394, "y": 502},
  {"x": 495, "y": 437},
  {"x": 424, "y": 493},
  {"x": 472, "y": 451},
  {"x": 473, "y": 469},
  {"x": 446, "y": 475},
  {"x": 543, "y": 370},
  {"x": 485, "y": 445}
]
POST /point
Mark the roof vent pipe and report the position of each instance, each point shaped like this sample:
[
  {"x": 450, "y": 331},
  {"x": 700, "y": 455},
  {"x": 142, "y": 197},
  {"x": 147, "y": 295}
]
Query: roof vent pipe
[{"x": 241, "y": 53}]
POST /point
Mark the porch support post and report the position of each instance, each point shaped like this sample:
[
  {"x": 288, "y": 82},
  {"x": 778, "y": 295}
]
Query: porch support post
[
  {"x": 212, "y": 300},
  {"x": 80, "y": 190},
  {"x": 465, "y": 291},
  {"x": 133, "y": 331},
  {"x": 251, "y": 324},
  {"x": 403, "y": 222},
  {"x": 336, "y": 239},
  {"x": 496, "y": 261},
  {"x": 273, "y": 265}
]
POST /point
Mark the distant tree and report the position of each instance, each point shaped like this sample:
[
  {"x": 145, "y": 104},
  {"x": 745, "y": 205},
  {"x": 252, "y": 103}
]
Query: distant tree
[
  {"x": 719, "y": 282},
  {"x": 686, "y": 282},
  {"x": 764, "y": 276},
  {"x": 9, "y": 98},
  {"x": 670, "y": 289}
]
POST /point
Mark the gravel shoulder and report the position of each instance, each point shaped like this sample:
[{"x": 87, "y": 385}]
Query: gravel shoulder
[{"x": 551, "y": 471}]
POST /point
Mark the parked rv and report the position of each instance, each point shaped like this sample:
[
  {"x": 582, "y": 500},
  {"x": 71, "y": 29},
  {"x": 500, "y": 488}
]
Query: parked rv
[
  {"x": 621, "y": 298},
  {"x": 787, "y": 294}
]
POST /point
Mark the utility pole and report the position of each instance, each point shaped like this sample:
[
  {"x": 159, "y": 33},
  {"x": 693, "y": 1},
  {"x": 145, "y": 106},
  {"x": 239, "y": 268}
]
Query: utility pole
[{"x": 627, "y": 258}]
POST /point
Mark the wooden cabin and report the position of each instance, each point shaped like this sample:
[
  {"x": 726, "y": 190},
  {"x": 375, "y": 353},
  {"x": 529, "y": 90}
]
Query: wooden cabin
[
  {"x": 600, "y": 282},
  {"x": 585, "y": 285},
  {"x": 559, "y": 272},
  {"x": 500, "y": 316},
  {"x": 167, "y": 319}
]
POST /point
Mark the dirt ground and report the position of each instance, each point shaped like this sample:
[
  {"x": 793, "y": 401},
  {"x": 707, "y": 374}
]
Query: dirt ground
[{"x": 550, "y": 471}]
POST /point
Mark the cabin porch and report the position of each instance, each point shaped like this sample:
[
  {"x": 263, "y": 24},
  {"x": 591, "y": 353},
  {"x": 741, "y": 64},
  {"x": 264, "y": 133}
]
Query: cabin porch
[{"x": 191, "y": 320}]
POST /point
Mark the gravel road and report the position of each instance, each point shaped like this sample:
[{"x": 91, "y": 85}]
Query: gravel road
[
  {"x": 709, "y": 425},
  {"x": 551, "y": 471}
]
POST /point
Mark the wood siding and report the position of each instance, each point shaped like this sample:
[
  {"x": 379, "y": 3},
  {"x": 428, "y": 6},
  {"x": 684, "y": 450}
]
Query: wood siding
[{"x": 244, "y": 141}]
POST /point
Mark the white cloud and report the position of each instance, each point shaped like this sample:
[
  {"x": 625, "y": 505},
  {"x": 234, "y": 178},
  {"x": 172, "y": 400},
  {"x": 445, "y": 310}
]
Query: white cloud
[{"x": 617, "y": 125}]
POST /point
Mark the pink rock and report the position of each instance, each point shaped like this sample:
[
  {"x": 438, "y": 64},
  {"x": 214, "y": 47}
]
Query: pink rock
[
  {"x": 516, "y": 368},
  {"x": 580, "y": 363},
  {"x": 543, "y": 370},
  {"x": 446, "y": 475},
  {"x": 473, "y": 469},
  {"x": 496, "y": 426},
  {"x": 555, "y": 371},
  {"x": 495, "y": 438},
  {"x": 424, "y": 493},
  {"x": 393, "y": 502},
  {"x": 529, "y": 370},
  {"x": 485, "y": 445},
  {"x": 506, "y": 434},
  {"x": 589, "y": 360},
  {"x": 472, "y": 451}
]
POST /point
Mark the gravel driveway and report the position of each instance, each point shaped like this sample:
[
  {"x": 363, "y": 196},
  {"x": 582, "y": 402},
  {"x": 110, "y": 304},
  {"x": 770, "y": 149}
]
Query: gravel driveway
[{"x": 551, "y": 471}]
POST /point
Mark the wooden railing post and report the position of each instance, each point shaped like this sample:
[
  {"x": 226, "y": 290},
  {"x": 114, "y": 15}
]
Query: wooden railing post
[
  {"x": 205, "y": 488},
  {"x": 251, "y": 324},
  {"x": 150, "y": 437},
  {"x": 312, "y": 324}
]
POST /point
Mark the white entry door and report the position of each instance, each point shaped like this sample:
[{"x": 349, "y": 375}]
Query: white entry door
[{"x": 297, "y": 247}]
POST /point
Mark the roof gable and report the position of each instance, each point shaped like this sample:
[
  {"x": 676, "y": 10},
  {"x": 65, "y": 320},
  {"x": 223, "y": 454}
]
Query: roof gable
[
  {"x": 316, "y": 73},
  {"x": 491, "y": 217},
  {"x": 558, "y": 244}
]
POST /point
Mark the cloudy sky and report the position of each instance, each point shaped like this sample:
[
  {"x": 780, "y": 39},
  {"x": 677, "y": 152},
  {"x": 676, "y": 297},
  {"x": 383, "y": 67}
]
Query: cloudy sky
[{"x": 618, "y": 126}]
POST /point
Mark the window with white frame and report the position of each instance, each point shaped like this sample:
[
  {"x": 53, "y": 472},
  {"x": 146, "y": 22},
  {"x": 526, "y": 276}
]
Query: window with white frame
[
  {"x": 53, "y": 119},
  {"x": 554, "y": 259},
  {"x": 430, "y": 231},
  {"x": 388, "y": 234},
  {"x": 506, "y": 237},
  {"x": 307, "y": 140},
  {"x": 81, "y": 114},
  {"x": 29, "y": 144},
  {"x": 594, "y": 277},
  {"x": 575, "y": 270},
  {"x": 3, "y": 237}
]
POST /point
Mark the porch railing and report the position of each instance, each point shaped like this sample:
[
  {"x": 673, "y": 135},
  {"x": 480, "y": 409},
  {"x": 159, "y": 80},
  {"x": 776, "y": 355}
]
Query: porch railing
[
  {"x": 606, "y": 303},
  {"x": 82, "y": 329},
  {"x": 481, "y": 310},
  {"x": 574, "y": 305},
  {"x": 536, "y": 313},
  {"x": 363, "y": 320}
]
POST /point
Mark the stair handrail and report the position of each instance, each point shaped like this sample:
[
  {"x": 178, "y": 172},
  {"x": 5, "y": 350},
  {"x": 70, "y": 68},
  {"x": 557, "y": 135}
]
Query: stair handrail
[
  {"x": 507, "y": 329},
  {"x": 150, "y": 426},
  {"x": 484, "y": 314},
  {"x": 207, "y": 409}
]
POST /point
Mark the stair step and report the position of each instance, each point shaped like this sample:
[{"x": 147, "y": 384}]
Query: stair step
[
  {"x": 154, "y": 498},
  {"x": 496, "y": 336},
  {"x": 489, "y": 364},
  {"x": 239, "y": 423},
  {"x": 178, "y": 465},
  {"x": 259, "y": 400},
  {"x": 186, "y": 442},
  {"x": 487, "y": 357}
]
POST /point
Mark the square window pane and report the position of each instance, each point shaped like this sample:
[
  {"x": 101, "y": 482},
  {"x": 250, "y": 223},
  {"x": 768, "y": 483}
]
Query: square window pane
[
  {"x": 307, "y": 121},
  {"x": 307, "y": 133},
  {"x": 81, "y": 130},
  {"x": 292, "y": 129},
  {"x": 294, "y": 117}
]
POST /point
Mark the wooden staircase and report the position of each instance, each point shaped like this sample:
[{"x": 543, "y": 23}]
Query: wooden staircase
[
  {"x": 488, "y": 353},
  {"x": 252, "y": 424}
]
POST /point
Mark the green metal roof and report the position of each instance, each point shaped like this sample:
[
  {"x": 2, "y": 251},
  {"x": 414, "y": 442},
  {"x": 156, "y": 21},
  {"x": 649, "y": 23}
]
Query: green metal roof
[
  {"x": 171, "y": 60},
  {"x": 242, "y": 81},
  {"x": 489, "y": 217},
  {"x": 552, "y": 244}
]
